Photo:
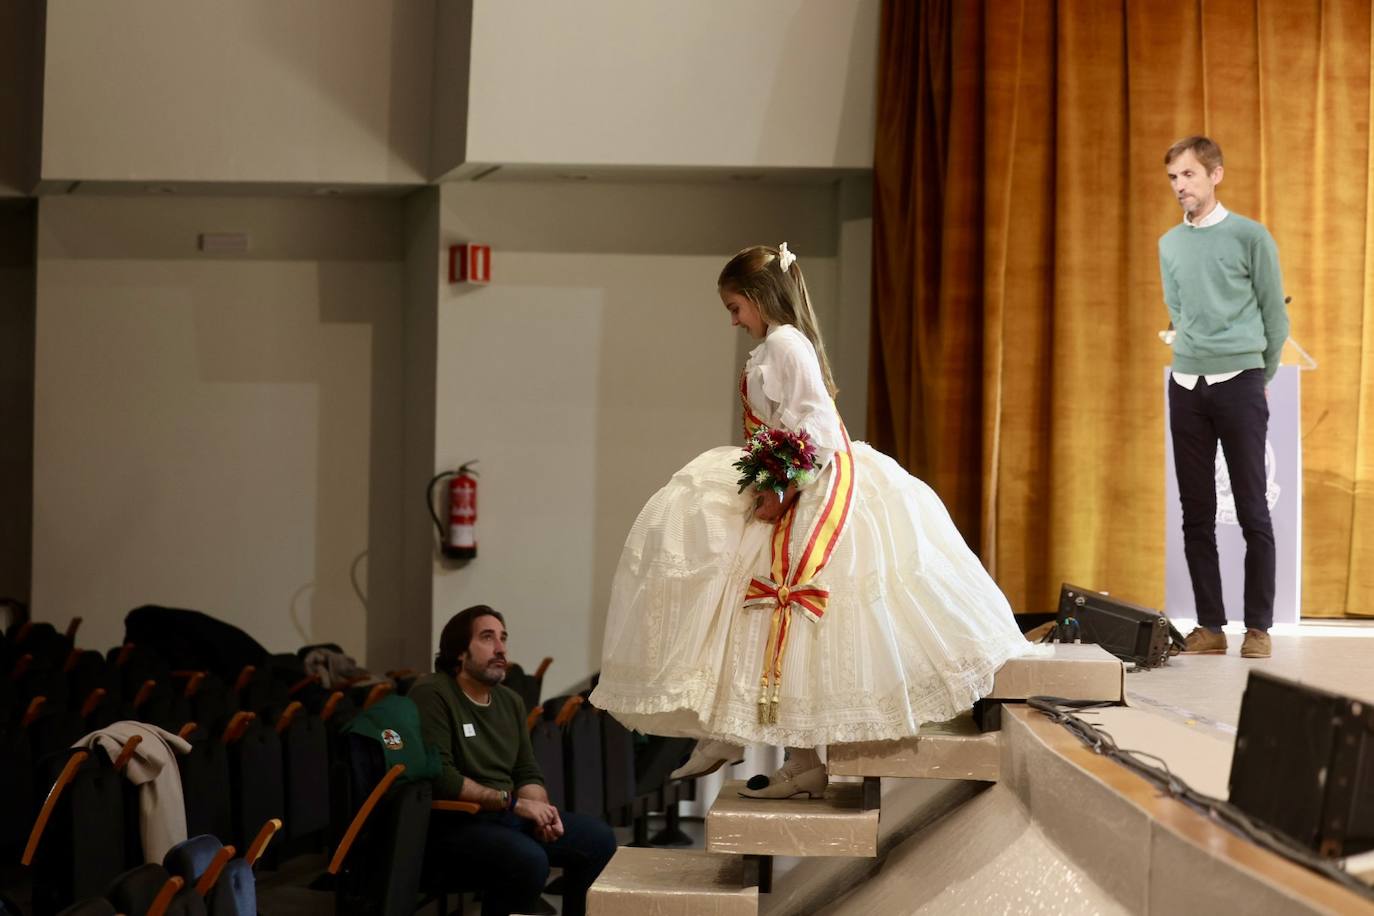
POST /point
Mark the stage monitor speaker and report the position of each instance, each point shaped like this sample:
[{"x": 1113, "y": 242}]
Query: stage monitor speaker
[
  {"x": 1304, "y": 764},
  {"x": 1128, "y": 631}
]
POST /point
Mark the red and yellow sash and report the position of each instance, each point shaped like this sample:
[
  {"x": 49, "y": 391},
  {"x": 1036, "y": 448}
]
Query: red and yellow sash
[{"x": 789, "y": 587}]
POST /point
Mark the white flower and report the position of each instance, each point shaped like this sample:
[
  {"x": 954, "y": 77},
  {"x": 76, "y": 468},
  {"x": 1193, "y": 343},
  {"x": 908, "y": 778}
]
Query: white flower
[{"x": 785, "y": 257}]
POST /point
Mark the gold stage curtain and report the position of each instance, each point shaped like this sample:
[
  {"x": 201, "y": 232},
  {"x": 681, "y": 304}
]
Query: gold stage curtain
[{"x": 1019, "y": 196}]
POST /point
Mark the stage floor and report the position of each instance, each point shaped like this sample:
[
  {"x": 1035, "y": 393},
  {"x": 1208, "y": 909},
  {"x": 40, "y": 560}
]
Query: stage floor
[{"x": 1205, "y": 690}]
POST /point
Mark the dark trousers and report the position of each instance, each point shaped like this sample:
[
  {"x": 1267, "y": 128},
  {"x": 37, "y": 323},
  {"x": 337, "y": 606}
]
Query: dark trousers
[
  {"x": 496, "y": 853},
  {"x": 1236, "y": 414}
]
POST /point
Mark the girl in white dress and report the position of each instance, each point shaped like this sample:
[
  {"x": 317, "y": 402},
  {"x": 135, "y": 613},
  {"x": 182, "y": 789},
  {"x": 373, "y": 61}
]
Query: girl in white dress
[{"x": 847, "y": 610}]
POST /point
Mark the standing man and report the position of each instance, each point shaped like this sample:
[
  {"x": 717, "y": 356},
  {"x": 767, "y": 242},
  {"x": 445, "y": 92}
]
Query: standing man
[
  {"x": 479, "y": 727},
  {"x": 1225, "y": 296}
]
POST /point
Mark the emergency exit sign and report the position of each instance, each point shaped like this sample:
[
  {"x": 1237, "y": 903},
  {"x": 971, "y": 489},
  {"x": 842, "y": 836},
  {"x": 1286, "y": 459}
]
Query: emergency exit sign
[{"x": 469, "y": 263}]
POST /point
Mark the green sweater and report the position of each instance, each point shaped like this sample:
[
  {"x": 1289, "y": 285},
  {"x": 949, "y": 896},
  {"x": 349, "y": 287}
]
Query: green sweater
[
  {"x": 1225, "y": 296},
  {"x": 493, "y": 751}
]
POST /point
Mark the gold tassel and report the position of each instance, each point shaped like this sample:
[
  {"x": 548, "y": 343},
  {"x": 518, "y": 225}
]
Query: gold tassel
[{"x": 768, "y": 650}]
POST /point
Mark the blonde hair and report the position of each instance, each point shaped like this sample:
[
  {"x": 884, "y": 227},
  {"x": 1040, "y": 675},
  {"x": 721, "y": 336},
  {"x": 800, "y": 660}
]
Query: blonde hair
[{"x": 756, "y": 274}]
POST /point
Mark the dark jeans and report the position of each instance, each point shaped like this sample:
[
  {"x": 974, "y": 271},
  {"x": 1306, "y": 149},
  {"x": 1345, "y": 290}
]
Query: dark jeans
[
  {"x": 1236, "y": 414},
  {"x": 496, "y": 853}
]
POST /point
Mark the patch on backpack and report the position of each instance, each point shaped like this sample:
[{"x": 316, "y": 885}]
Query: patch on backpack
[{"x": 392, "y": 740}]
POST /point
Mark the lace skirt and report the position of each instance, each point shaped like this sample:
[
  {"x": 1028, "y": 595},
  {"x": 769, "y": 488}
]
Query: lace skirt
[{"x": 914, "y": 630}]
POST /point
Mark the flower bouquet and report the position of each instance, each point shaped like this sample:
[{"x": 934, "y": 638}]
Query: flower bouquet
[{"x": 775, "y": 458}]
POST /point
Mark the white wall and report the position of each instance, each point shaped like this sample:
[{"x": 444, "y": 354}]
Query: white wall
[
  {"x": 222, "y": 434},
  {"x": 848, "y": 341},
  {"x": 766, "y": 83},
  {"x": 597, "y": 362},
  {"x": 317, "y": 91},
  {"x": 401, "y": 91}
]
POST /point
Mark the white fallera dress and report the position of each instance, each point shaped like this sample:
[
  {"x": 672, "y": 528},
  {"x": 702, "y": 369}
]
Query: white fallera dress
[{"x": 913, "y": 631}]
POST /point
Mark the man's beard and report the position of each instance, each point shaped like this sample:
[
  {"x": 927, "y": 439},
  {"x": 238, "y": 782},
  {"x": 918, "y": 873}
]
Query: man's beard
[{"x": 489, "y": 676}]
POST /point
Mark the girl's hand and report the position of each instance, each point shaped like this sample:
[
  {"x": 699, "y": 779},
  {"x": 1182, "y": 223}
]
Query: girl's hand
[{"x": 768, "y": 507}]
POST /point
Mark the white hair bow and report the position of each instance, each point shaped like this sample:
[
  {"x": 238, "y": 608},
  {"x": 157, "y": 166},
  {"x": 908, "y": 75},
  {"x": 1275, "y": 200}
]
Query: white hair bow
[{"x": 785, "y": 257}]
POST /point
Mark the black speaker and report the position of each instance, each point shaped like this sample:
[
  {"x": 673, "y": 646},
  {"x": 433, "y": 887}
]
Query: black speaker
[
  {"x": 1130, "y": 632},
  {"x": 1304, "y": 764}
]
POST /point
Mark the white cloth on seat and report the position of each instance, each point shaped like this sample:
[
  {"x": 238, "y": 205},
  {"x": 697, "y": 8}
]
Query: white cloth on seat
[
  {"x": 153, "y": 768},
  {"x": 335, "y": 669}
]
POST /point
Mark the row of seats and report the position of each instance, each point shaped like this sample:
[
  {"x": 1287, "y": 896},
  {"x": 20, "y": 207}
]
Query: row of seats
[
  {"x": 268, "y": 745},
  {"x": 198, "y": 877},
  {"x": 591, "y": 764},
  {"x": 259, "y": 749}
]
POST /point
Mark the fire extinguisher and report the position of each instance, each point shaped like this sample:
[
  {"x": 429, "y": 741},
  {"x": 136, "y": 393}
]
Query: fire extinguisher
[{"x": 459, "y": 542}]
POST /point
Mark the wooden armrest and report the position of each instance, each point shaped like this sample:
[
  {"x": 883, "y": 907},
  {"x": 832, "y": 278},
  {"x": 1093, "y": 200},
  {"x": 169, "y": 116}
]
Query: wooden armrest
[
  {"x": 72, "y": 627},
  {"x": 302, "y": 684},
  {"x": 23, "y": 632},
  {"x": 397, "y": 673},
  {"x": 569, "y": 710},
  {"x": 144, "y": 693},
  {"x": 330, "y": 705},
  {"x": 164, "y": 897},
  {"x": 543, "y": 666},
  {"x": 237, "y": 726},
  {"x": 287, "y": 715},
  {"x": 64, "y": 779},
  {"x": 92, "y": 702},
  {"x": 212, "y": 871},
  {"x": 34, "y": 711},
  {"x": 376, "y": 693},
  {"x": 245, "y": 676},
  {"x": 73, "y": 657},
  {"x": 193, "y": 684},
  {"x": 125, "y": 651},
  {"x": 187, "y": 730},
  {"x": 259, "y": 844},
  {"x": 21, "y": 667},
  {"x": 353, "y": 681},
  {"x": 128, "y": 753},
  {"x": 361, "y": 817},
  {"x": 533, "y": 718},
  {"x": 446, "y": 804}
]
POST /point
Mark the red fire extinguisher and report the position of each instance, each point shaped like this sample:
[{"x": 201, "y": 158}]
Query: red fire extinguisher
[{"x": 459, "y": 542}]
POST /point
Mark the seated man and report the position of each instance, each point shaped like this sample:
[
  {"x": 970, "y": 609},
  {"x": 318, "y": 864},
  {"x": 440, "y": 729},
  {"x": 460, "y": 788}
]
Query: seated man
[{"x": 479, "y": 728}]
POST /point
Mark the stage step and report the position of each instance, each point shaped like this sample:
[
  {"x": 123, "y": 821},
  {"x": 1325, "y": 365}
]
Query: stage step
[
  {"x": 836, "y": 825},
  {"x": 672, "y": 882},
  {"x": 943, "y": 750},
  {"x": 1074, "y": 671}
]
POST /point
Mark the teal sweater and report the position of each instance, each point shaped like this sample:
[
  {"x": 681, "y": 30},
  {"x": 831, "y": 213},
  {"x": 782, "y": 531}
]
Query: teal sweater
[
  {"x": 1225, "y": 296},
  {"x": 494, "y": 748}
]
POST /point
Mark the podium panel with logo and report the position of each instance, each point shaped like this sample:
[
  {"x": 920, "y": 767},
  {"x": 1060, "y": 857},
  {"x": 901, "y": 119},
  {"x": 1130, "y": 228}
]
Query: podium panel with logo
[{"x": 1283, "y": 480}]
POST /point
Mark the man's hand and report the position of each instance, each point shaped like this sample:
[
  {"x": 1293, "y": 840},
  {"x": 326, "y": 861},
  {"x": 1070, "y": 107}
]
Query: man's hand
[
  {"x": 545, "y": 817},
  {"x": 547, "y": 834}
]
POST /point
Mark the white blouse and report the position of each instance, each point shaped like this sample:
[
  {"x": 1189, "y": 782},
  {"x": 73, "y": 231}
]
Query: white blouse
[{"x": 786, "y": 389}]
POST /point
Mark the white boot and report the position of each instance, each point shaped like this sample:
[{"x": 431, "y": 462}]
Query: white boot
[
  {"x": 707, "y": 757},
  {"x": 802, "y": 774}
]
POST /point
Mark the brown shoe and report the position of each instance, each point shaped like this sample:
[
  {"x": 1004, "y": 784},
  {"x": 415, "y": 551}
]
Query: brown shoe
[
  {"x": 1203, "y": 641},
  {"x": 1256, "y": 645}
]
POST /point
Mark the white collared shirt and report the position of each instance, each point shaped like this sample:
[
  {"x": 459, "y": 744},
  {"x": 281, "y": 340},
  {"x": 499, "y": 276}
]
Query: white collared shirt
[{"x": 1218, "y": 214}]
